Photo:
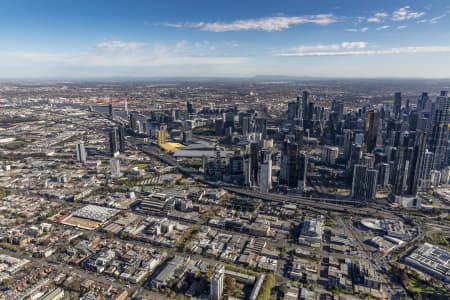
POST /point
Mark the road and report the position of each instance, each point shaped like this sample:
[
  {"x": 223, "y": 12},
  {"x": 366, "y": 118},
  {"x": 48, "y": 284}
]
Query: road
[{"x": 343, "y": 206}]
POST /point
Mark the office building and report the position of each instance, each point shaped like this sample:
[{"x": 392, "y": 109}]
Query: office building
[
  {"x": 364, "y": 183},
  {"x": 162, "y": 134},
  {"x": 427, "y": 166},
  {"x": 111, "y": 110},
  {"x": 401, "y": 170},
  {"x": 134, "y": 122},
  {"x": 81, "y": 153},
  {"x": 261, "y": 127},
  {"x": 187, "y": 136},
  {"x": 121, "y": 138},
  {"x": 416, "y": 162},
  {"x": 114, "y": 165},
  {"x": 247, "y": 170},
  {"x": 189, "y": 107},
  {"x": 383, "y": 174},
  {"x": 114, "y": 141},
  {"x": 254, "y": 162},
  {"x": 219, "y": 127},
  {"x": 439, "y": 131},
  {"x": 289, "y": 163},
  {"x": 302, "y": 170},
  {"x": 397, "y": 105},
  {"x": 422, "y": 104},
  {"x": 371, "y": 184},
  {"x": 373, "y": 121},
  {"x": 245, "y": 125},
  {"x": 265, "y": 174},
  {"x": 217, "y": 283},
  {"x": 330, "y": 155}
]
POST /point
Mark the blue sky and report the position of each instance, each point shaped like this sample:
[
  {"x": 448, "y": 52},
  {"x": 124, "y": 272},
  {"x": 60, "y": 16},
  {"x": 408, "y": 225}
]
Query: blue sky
[{"x": 324, "y": 38}]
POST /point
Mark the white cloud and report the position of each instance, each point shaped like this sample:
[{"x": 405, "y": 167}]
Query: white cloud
[
  {"x": 400, "y": 50},
  {"x": 119, "y": 45},
  {"x": 364, "y": 29},
  {"x": 401, "y": 27},
  {"x": 330, "y": 47},
  {"x": 378, "y": 17},
  {"x": 436, "y": 19},
  {"x": 405, "y": 13},
  {"x": 353, "y": 45},
  {"x": 383, "y": 27},
  {"x": 277, "y": 23},
  {"x": 373, "y": 20},
  {"x": 182, "y": 53}
]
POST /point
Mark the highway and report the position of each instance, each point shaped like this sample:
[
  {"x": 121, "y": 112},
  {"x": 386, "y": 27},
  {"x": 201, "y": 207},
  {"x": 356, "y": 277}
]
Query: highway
[{"x": 342, "y": 206}]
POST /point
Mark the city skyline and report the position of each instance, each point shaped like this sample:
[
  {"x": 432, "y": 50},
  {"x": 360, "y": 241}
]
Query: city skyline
[{"x": 58, "y": 39}]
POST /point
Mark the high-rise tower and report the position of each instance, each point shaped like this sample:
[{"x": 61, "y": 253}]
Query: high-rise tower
[{"x": 439, "y": 131}]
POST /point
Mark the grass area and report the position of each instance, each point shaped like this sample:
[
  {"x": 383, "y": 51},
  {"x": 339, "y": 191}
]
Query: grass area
[
  {"x": 186, "y": 237},
  {"x": 329, "y": 222},
  {"x": 9, "y": 247},
  {"x": 418, "y": 287},
  {"x": 240, "y": 269},
  {"x": 14, "y": 145},
  {"x": 438, "y": 238},
  {"x": 140, "y": 165},
  {"x": 233, "y": 288},
  {"x": 266, "y": 288},
  {"x": 3, "y": 193},
  {"x": 436, "y": 205}
]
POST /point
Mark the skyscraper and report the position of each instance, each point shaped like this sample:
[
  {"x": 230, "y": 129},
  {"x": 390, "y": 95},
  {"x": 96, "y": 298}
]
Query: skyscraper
[
  {"x": 126, "y": 106},
  {"x": 373, "y": 121},
  {"x": 114, "y": 165},
  {"x": 302, "y": 170},
  {"x": 364, "y": 185},
  {"x": 416, "y": 162},
  {"x": 189, "y": 107},
  {"x": 133, "y": 122},
  {"x": 359, "y": 181},
  {"x": 219, "y": 126},
  {"x": 425, "y": 173},
  {"x": 292, "y": 111},
  {"x": 111, "y": 109},
  {"x": 439, "y": 131},
  {"x": 114, "y": 141},
  {"x": 265, "y": 174},
  {"x": 423, "y": 101},
  {"x": 254, "y": 162},
  {"x": 371, "y": 184},
  {"x": 401, "y": 170},
  {"x": 247, "y": 169},
  {"x": 121, "y": 138},
  {"x": 162, "y": 134},
  {"x": 397, "y": 105},
  {"x": 261, "y": 126},
  {"x": 289, "y": 163},
  {"x": 383, "y": 174},
  {"x": 81, "y": 153},
  {"x": 245, "y": 125},
  {"x": 217, "y": 280}
]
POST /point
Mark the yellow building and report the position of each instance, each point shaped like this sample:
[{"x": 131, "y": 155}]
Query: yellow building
[
  {"x": 171, "y": 147},
  {"x": 162, "y": 137}
]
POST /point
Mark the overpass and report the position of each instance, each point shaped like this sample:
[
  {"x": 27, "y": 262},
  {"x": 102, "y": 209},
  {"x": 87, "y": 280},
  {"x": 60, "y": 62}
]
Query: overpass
[{"x": 342, "y": 206}]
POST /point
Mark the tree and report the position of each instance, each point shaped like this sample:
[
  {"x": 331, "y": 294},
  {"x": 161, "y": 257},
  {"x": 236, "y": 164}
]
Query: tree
[{"x": 266, "y": 288}]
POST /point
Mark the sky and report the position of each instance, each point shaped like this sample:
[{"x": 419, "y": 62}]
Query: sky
[{"x": 228, "y": 38}]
